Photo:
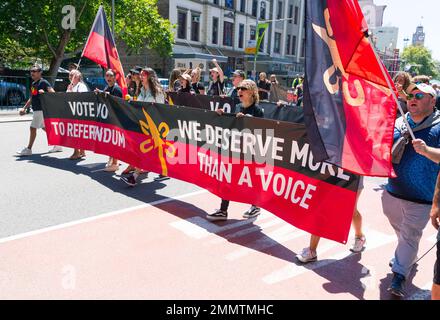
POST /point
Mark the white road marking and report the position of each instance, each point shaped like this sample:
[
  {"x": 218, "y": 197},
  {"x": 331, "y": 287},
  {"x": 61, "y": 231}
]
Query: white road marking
[
  {"x": 375, "y": 239},
  {"x": 280, "y": 235},
  {"x": 101, "y": 216},
  {"x": 241, "y": 233},
  {"x": 199, "y": 227}
]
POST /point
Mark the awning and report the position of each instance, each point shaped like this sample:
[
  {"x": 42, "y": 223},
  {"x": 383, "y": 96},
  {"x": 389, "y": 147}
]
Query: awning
[{"x": 199, "y": 55}]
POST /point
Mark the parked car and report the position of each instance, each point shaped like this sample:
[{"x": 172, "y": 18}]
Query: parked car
[
  {"x": 95, "y": 82},
  {"x": 164, "y": 82},
  {"x": 11, "y": 94}
]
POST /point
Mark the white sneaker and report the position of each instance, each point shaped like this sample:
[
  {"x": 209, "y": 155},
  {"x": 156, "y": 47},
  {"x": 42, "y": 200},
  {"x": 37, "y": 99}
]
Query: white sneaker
[
  {"x": 307, "y": 255},
  {"x": 112, "y": 168},
  {"x": 24, "y": 152},
  {"x": 359, "y": 244},
  {"x": 56, "y": 149}
]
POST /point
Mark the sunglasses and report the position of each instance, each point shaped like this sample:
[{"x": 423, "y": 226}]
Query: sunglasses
[
  {"x": 242, "y": 88},
  {"x": 418, "y": 96}
]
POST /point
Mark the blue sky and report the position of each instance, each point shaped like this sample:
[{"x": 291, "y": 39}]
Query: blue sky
[{"x": 407, "y": 15}]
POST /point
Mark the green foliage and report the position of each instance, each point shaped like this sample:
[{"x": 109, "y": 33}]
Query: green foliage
[
  {"x": 421, "y": 60},
  {"x": 34, "y": 29}
]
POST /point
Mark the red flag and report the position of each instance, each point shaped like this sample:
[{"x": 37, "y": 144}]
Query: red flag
[
  {"x": 101, "y": 48},
  {"x": 349, "y": 108}
]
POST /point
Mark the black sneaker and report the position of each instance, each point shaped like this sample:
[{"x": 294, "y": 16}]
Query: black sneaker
[
  {"x": 217, "y": 215},
  {"x": 397, "y": 285},
  {"x": 161, "y": 178},
  {"x": 130, "y": 180},
  {"x": 252, "y": 212}
]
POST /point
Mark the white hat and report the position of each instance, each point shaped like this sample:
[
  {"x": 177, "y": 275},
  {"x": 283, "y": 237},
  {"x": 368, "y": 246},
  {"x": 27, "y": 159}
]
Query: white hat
[{"x": 426, "y": 88}]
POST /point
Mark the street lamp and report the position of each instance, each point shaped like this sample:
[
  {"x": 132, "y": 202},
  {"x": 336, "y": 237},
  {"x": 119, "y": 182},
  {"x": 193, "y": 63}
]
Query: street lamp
[{"x": 260, "y": 5}]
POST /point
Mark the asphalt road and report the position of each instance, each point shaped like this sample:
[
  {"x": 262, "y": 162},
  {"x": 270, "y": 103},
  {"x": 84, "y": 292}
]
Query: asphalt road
[
  {"x": 69, "y": 230},
  {"x": 48, "y": 189}
]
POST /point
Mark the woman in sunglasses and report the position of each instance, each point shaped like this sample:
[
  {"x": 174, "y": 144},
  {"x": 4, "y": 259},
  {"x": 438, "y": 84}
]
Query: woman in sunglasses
[{"x": 248, "y": 95}]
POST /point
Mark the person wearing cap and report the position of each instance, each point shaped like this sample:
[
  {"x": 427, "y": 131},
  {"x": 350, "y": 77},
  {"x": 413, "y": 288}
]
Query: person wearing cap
[
  {"x": 407, "y": 199},
  {"x": 39, "y": 86},
  {"x": 217, "y": 85},
  {"x": 135, "y": 84},
  {"x": 185, "y": 84},
  {"x": 197, "y": 86},
  {"x": 237, "y": 77},
  {"x": 248, "y": 94}
]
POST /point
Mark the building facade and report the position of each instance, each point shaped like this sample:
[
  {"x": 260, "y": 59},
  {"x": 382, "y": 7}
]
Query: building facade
[{"x": 224, "y": 29}]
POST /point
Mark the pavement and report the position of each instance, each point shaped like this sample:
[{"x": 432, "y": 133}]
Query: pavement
[{"x": 72, "y": 231}]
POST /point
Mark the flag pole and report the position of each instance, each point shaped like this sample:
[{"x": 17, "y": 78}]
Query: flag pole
[{"x": 382, "y": 68}]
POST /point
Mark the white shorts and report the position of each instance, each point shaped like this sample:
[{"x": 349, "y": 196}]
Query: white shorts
[{"x": 37, "y": 120}]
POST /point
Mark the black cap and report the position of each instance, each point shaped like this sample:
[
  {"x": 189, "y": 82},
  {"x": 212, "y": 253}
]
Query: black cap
[
  {"x": 239, "y": 73},
  {"x": 134, "y": 71}
]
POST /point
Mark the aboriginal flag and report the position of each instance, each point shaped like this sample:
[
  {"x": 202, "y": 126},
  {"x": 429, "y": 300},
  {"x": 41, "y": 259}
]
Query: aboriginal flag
[
  {"x": 101, "y": 48},
  {"x": 349, "y": 109}
]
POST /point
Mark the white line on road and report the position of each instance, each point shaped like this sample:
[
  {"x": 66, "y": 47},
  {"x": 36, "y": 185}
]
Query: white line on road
[
  {"x": 101, "y": 216},
  {"x": 279, "y": 236},
  {"x": 376, "y": 239},
  {"x": 198, "y": 227}
]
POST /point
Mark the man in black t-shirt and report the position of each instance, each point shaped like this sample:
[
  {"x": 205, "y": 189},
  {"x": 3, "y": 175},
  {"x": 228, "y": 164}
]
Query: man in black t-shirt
[
  {"x": 113, "y": 89},
  {"x": 263, "y": 87},
  {"x": 39, "y": 86}
]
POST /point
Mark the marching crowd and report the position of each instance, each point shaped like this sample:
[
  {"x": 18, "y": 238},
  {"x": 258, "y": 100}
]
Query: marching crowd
[{"x": 409, "y": 201}]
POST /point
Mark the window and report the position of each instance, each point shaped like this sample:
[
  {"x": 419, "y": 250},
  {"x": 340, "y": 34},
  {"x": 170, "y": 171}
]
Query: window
[
  {"x": 181, "y": 22},
  {"x": 295, "y": 20},
  {"x": 290, "y": 13},
  {"x": 294, "y": 45},
  {"x": 277, "y": 43},
  {"x": 252, "y": 32},
  {"x": 195, "y": 27},
  {"x": 240, "y": 35},
  {"x": 303, "y": 48},
  {"x": 243, "y": 5},
  {"x": 263, "y": 10},
  {"x": 215, "y": 2},
  {"x": 254, "y": 7},
  {"x": 229, "y": 4},
  {"x": 228, "y": 33},
  {"x": 214, "y": 30},
  {"x": 288, "y": 44},
  {"x": 280, "y": 10}
]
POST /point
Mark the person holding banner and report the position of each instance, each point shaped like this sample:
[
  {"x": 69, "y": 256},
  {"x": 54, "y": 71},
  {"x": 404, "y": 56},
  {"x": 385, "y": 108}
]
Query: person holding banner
[
  {"x": 248, "y": 94},
  {"x": 185, "y": 84},
  {"x": 197, "y": 86},
  {"x": 76, "y": 85},
  {"x": 407, "y": 199},
  {"x": 151, "y": 91},
  {"x": 263, "y": 86},
  {"x": 237, "y": 77},
  {"x": 309, "y": 254},
  {"x": 113, "y": 89},
  {"x": 435, "y": 220},
  {"x": 217, "y": 85},
  {"x": 39, "y": 86}
]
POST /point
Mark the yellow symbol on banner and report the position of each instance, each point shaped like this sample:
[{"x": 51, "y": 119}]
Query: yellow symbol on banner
[
  {"x": 157, "y": 141},
  {"x": 326, "y": 34}
]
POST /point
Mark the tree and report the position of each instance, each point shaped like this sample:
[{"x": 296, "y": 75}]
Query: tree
[
  {"x": 420, "y": 60},
  {"x": 36, "y": 26}
]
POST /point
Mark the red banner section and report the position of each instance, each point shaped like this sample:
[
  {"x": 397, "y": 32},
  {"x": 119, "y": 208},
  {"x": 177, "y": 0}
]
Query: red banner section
[{"x": 250, "y": 160}]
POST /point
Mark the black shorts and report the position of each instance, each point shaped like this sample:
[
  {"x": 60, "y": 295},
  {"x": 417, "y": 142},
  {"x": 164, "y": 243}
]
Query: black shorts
[{"x": 437, "y": 263}]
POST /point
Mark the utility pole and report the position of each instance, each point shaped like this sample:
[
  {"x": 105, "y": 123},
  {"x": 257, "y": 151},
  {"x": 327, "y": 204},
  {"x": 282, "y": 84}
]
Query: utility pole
[
  {"x": 113, "y": 18},
  {"x": 254, "y": 72}
]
